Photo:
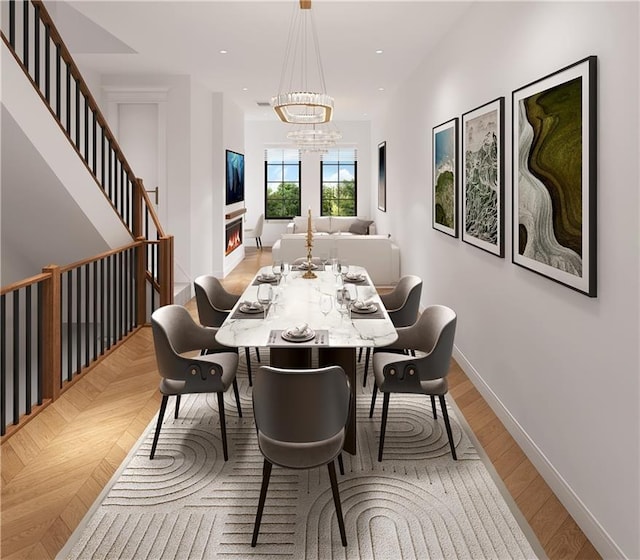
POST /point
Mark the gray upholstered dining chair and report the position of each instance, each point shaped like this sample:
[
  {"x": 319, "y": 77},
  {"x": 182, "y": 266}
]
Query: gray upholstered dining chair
[
  {"x": 174, "y": 333},
  {"x": 300, "y": 418},
  {"x": 402, "y": 305},
  {"x": 431, "y": 337},
  {"x": 214, "y": 304},
  {"x": 256, "y": 231}
]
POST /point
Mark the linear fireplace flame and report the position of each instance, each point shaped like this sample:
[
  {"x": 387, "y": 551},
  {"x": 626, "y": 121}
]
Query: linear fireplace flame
[{"x": 233, "y": 236}]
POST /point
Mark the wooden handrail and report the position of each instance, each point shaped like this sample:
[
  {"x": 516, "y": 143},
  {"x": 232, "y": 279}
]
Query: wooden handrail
[
  {"x": 24, "y": 283},
  {"x": 89, "y": 260}
]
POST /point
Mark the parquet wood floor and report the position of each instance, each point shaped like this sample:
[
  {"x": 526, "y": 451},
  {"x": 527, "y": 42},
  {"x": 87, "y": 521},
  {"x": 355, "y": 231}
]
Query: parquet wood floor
[{"x": 56, "y": 466}]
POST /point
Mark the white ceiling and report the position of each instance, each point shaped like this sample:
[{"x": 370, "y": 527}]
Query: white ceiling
[{"x": 185, "y": 37}]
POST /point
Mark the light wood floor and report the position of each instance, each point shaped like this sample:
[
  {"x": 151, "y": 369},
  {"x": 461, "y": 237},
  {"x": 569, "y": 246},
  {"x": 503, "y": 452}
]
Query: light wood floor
[{"x": 55, "y": 467}]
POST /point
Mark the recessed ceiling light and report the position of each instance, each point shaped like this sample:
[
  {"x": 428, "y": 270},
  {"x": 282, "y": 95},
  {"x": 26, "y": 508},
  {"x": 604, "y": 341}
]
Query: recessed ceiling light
[
  {"x": 379, "y": 51},
  {"x": 245, "y": 89},
  {"x": 380, "y": 89},
  {"x": 223, "y": 51}
]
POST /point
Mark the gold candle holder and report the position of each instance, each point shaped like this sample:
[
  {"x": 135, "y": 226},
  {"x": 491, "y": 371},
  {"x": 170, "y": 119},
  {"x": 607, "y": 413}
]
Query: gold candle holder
[{"x": 309, "y": 273}]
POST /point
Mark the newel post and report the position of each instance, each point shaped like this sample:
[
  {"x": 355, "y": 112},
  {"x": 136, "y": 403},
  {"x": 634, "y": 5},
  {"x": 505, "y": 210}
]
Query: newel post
[
  {"x": 165, "y": 269},
  {"x": 51, "y": 335},
  {"x": 141, "y": 281},
  {"x": 137, "y": 208}
]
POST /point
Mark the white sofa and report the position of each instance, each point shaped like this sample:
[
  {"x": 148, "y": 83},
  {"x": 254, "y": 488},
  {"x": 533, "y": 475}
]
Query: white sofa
[
  {"x": 329, "y": 225},
  {"x": 377, "y": 253}
]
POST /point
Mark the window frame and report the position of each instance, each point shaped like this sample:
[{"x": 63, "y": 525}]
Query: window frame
[
  {"x": 352, "y": 161},
  {"x": 283, "y": 163}
]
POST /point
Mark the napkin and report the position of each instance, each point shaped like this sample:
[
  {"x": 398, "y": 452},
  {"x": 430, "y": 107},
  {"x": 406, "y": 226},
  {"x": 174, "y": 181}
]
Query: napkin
[
  {"x": 299, "y": 330},
  {"x": 359, "y": 304}
]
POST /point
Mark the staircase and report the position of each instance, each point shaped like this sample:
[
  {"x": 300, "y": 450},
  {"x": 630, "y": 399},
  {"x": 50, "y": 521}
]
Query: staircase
[{"x": 82, "y": 197}]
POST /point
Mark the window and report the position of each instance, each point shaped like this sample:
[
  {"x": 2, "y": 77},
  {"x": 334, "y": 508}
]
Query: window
[
  {"x": 339, "y": 179},
  {"x": 282, "y": 183}
]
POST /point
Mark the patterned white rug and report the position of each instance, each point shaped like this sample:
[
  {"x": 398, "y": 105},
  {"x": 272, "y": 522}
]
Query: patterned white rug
[{"x": 189, "y": 504}]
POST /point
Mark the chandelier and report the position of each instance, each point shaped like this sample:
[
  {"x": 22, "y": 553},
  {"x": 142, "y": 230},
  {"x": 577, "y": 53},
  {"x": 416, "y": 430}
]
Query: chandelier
[
  {"x": 302, "y": 97},
  {"x": 315, "y": 138}
]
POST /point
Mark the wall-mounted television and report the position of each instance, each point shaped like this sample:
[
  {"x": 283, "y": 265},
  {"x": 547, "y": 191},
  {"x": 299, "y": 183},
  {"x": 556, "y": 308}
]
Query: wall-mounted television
[{"x": 235, "y": 177}]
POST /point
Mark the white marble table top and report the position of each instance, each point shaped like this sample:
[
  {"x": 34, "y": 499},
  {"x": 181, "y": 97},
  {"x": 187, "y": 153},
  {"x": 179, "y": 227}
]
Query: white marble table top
[{"x": 297, "y": 301}]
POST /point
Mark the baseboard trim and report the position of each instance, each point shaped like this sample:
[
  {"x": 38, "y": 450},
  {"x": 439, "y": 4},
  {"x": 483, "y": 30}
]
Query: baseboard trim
[{"x": 600, "y": 539}]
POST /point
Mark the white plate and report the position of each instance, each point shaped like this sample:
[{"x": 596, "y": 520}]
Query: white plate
[
  {"x": 269, "y": 279},
  {"x": 290, "y": 337},
  {"x": 246, "y": 309},
  {"x": 370, "y": 309},
  {"x": 354, "y": 277}
]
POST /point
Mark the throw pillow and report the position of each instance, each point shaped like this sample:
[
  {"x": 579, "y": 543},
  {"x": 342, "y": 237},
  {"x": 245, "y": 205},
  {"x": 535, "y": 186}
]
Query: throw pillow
[{"x": 360, "y": 227}]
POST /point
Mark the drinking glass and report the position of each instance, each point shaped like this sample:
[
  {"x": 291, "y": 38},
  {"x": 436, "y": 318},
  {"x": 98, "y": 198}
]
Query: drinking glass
[
  {"x": 286, "y": 268},
  {"x": 265, "y": 295},
  {"x": 276, "y": 268},
  {"x": 336, "y": 268},
  {"x": 326, "y": 304},
  {"x": 343, "y": 299},
  {"x": 324, "y": 259}
]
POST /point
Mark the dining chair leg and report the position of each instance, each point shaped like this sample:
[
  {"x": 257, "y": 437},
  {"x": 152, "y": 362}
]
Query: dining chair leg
[
  {"x": 373, "y": 400},
  {"x": 223, "y": 425},
  {"x": 237, "y": 395},
  {"x": 163, "y": 407},
  {"x": 266, "y": 475},
  {"x": 177, "y": 410},
  {"x": 248, "y": 360},
  {"x": 366, "y": 366},
  {"x": 341, "y": 464},
  {"x": 445, "y": 415},
  {"x": 433, "y": 407},
  {"x": 336, "y": 500},
  {"x": 258, "y": 354},
  {"x": 383, "y": 427}
]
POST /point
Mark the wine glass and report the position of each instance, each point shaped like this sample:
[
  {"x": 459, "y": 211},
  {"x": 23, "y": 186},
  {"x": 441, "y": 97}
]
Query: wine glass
[
  {"x": 326, "y": 304},
  {"x": 265, "y": 295},
  {"x": 343, "y": 299},
  {"x": 324, "y": 259},
  {"x": 276, "y": 268},
  {"x": 336, "y": 268},
  {"x": 286, "y": 268}
]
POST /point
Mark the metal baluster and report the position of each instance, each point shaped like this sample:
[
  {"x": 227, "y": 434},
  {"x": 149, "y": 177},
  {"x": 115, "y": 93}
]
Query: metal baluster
[
  {"x": 25, "y": 34},
  {"x": 108, "y": 318},
  {"x": 68, "y": 99},
  {"x": 78, "y": 302},
  {"x": 86, "y": 129},
  {"x": 12, "y": 35},
  {"x": 102, "y": 302},
  {"x": 87, "y": 332},
  {"x": 95, "y": 310},
  {"x": 95, "y": 148},
  {"x": 16, "y": 356},
  {"x": 77, "y": 142},
  {"x": 47, "y": 64},
  {"x": 27, "y": 349},
  {"x": 58, "y": 84},
  {"x": 36, "y": 44},
  {"x": 3, "y": 362},
  {"x": 40, "y": 308},
  {"x": 69, "y": 276}
]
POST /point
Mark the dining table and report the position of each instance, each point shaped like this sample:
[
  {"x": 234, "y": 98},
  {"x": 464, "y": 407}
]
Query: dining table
[{"x": 294, "y": 327}]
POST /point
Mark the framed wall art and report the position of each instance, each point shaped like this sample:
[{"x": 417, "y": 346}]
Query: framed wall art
[
  {"x": 554, "y": 176},
  {"x": 234, "y": 177},
  {"x": 482, "y": 197},
  {"x": 445, "y": 177},
  {"x": 382, "y": 176}
]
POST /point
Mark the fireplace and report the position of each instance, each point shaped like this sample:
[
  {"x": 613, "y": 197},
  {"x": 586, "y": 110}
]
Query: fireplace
[{"x": 233, "y": 236}]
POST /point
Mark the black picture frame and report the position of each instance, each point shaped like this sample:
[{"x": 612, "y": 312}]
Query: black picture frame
[
  {"x": 554, "y": 176},
  {"x": 382, "y": 176},
  {"x": 444, "y": 161},
  {"x": 234, "y": 174},
  {"x": 482, "y": 172}
]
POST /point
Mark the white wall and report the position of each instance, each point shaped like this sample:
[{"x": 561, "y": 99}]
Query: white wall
[
  {"x": 559, "y": 368},
  {"x": 259, "y": 134}
]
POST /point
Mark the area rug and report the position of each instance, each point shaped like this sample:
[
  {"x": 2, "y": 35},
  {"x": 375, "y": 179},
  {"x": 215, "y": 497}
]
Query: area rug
[{"x": 188, "y": 503}]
